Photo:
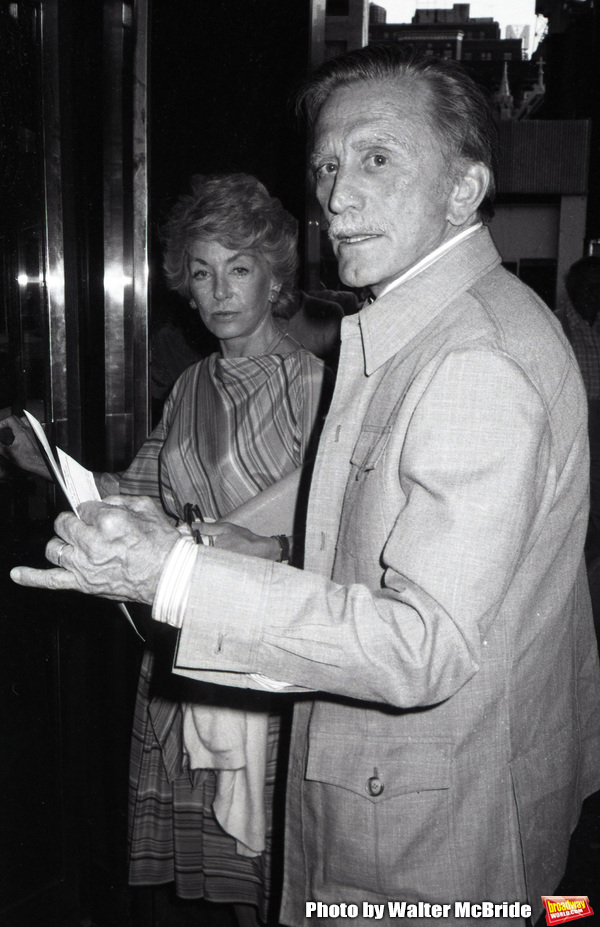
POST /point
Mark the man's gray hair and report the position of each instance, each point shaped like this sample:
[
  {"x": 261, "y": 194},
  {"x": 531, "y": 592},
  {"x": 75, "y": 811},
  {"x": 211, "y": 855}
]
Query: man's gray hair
[{"x": 459, "y": 114}]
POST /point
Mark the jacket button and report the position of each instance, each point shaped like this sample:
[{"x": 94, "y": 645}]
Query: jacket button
[{"x": 374, "y": 786}]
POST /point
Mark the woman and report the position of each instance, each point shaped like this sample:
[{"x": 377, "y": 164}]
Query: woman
[{"x": 234, "y": 425}]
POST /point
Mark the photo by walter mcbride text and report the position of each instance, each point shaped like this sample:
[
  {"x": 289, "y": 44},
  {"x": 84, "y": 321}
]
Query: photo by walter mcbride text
[{"x": 421, "y": 909}]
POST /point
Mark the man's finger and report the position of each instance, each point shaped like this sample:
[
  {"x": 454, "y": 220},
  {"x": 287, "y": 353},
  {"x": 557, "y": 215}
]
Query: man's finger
[
  {"x": 94, "y": 517},
  {"x": 135, "y": 503},
  {"x": 55, "y": 552},
  {"x": 89, "y": 511},
  {"x": 43, "y": 579},
  {"x": 69, "y": 527}
]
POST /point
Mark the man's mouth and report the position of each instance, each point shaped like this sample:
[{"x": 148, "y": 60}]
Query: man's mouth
[{"x": 356, "y": 239}]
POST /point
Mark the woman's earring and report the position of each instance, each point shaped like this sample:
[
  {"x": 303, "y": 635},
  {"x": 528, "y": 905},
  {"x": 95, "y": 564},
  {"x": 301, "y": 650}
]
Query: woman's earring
[{"x": 193, "y": 304}]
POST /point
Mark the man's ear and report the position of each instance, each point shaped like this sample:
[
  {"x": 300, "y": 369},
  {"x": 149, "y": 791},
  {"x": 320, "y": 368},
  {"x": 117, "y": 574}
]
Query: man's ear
[{"x": 467, "y": 193}]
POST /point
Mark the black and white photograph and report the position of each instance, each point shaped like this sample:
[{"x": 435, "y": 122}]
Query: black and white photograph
[{"x": 299, "y": 463}]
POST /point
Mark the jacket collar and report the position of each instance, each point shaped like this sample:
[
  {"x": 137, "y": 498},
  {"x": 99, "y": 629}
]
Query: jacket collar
[{"x": 389, "y": 323}]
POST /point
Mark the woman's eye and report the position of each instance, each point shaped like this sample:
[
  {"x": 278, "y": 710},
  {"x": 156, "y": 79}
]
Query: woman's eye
[
  {"x": 199, "y": 274},
  {"x": 241, "y": 271}
]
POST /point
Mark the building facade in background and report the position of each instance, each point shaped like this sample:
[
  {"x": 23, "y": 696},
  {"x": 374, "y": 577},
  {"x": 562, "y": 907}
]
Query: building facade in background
[{"x": 543, "y": 222}]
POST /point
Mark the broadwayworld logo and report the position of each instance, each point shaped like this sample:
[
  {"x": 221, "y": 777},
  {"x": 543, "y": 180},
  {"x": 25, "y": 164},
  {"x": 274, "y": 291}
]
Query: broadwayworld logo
[{"x": 562, "y": 908}]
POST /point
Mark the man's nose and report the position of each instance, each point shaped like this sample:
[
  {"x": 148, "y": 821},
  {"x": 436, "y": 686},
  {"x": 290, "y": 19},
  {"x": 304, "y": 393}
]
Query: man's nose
[{"x": 345, "y": 192}]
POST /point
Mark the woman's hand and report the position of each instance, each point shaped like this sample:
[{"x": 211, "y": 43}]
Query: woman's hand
[
  {"x": 240, "y": 540},
  {"x": 18, "y": 444}
]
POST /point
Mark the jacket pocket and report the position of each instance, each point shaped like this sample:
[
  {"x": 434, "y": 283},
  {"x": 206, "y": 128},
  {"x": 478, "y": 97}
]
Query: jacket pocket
[
  {"x": 382, "y": 811},
  {"x": 369, "y": 447}
]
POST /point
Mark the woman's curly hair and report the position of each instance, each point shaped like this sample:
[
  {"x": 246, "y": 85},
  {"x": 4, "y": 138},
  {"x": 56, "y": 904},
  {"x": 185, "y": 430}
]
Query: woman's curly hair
[{"x": 237, "y": 211}]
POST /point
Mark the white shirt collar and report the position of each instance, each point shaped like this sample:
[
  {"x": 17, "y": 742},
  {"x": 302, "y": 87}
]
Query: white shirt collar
[{"x": 431, "y": 258}]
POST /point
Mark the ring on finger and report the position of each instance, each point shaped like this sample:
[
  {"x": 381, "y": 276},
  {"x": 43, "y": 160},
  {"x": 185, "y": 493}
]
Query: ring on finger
[{"x": 60, "y": 553}]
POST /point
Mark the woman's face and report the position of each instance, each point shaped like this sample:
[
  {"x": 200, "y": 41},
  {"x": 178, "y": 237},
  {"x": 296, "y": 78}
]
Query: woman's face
[{"x": 233, "y": 292}]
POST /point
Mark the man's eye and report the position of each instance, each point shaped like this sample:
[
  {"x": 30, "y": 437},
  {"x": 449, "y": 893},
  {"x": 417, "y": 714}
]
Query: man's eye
[
  {"x": 330, "y": 167},
  {"x": 379, "y": 160}
]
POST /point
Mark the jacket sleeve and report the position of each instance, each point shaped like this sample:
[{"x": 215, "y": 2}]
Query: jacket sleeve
[{"x": 475, "y": 478}]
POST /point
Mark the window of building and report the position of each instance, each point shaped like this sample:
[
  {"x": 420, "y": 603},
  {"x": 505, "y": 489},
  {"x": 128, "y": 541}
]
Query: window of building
[
  {"x": 508, "y": 56},
  {"x": 540, "y": 275},
  {"x": 467, "y": 56},
  {"x": 335, "y": 49},
  {"x": 486, "y": 56},
  {"x": 338, "y": 8}
]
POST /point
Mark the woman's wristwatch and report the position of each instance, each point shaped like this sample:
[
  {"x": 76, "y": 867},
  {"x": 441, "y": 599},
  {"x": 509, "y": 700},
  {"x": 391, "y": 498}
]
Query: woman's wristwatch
[{"x": 284, "y": 544}]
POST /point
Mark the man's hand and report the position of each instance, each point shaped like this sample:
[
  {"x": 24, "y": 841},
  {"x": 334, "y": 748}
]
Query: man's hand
[
  {"x": 240, "y": 540},
  {"x": 116, "y": 549}
]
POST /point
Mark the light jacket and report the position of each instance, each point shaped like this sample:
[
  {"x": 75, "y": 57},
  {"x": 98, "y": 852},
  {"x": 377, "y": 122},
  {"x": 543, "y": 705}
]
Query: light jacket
[{"x": 443, "y": 610}]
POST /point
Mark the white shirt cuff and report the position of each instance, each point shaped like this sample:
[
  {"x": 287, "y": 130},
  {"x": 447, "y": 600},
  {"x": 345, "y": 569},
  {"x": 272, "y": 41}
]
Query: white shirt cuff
[{"x": 173, "y": 588}]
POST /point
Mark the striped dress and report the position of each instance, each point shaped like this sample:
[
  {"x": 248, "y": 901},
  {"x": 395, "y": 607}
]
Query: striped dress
[{"x": 231, "y": 427}]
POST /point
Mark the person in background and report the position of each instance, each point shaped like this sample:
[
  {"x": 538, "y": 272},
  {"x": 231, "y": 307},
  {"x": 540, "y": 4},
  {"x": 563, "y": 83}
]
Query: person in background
[
  {"x": 312, "y": 319},
  {"x": 441, "y": 627},
  {"x": 581, "y": 322},
  {"x": 235, "y": 425}
]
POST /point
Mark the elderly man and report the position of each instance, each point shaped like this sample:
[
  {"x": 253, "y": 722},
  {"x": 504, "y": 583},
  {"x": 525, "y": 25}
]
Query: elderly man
[{"x": 443, "y": 614}]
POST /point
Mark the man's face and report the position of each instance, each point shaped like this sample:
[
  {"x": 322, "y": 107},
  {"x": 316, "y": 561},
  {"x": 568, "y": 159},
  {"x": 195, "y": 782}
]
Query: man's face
[{"x": 381, "y": 180}]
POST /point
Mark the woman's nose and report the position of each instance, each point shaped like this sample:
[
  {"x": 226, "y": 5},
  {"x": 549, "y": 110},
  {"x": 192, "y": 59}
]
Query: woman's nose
[{"x": 222, "y": 289}]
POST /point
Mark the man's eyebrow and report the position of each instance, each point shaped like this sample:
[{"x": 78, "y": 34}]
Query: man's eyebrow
[
  {"x": 376, "y": 138},
  {"x": 360, "y": 143},
  {"x": 364, "y": 138},
  {"x": 379, "y": 138},
  {"x": 319, "y": 154}
]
